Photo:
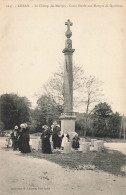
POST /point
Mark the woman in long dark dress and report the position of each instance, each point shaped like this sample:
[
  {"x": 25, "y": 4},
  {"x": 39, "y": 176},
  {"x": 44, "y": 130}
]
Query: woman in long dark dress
[
  {"x": 20, "y": 134},
  {"x": 75, "y": 142},
  {"x": 46, "y": 146},
  {"x": 25, "y": 141},
  {"x": 56, "y": 137}
]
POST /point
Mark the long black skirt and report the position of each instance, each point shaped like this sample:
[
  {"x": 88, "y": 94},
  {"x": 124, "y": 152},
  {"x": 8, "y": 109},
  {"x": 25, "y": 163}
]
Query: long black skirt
[
  {"x": 46, "y": 146},
  {"x": 25, "y": 148},
  {"x": 20, "y": 143},
  {"x": 56, "y": 141}
]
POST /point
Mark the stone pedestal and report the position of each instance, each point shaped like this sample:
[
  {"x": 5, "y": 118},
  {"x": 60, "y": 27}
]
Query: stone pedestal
[{"x": 68, "y": 123}]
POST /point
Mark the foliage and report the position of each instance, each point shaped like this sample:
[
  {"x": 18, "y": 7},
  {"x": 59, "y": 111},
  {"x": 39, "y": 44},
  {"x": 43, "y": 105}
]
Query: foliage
[
  {"x": 114, "y": 125},
  {"x": 87, "y": 91},
  {"x": 2, "y": 126},
  {"x": 81, "y": 128},
  {"x": 14, "y": 110},
  {"x": 54, "y": 86},
  {"x": 92, "y": 93},
  {"x": 105, "y": 123},
  {"x": 46, "y": 112},
  {"x": 102, "y": 110},
  {"x": 101, "y": 123},
  {"x": 83, "y": 125}
]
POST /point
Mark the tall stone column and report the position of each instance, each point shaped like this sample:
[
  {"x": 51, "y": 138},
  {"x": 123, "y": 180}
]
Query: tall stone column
[{"x": 68, "y": 117}]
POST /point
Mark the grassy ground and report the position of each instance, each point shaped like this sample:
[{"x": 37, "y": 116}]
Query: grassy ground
[
  {"x": 106, "y": 139},
  {"x": 108, "y": 160}
]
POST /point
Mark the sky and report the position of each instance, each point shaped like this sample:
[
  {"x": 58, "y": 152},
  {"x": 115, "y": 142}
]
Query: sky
[{"x": 32, "y": 40}]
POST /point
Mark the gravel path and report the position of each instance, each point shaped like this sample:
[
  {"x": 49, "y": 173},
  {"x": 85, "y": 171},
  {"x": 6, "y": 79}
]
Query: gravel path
[{"x": 23, "y": 175}]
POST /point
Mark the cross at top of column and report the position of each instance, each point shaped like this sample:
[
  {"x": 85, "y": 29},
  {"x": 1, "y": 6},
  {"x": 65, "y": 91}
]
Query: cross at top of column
[
  {"x": 68, "y": 23},
  {"x": 68, "y": 32}
]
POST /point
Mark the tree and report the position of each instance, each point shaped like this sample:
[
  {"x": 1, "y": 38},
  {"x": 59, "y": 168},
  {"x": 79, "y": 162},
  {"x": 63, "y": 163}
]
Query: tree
[
  {"x": 114, "y": 125},
  {"x": 54, "y": 86},
  {"x": 102, "y": 110},
  {"x": 105, "y": 122},
  {"x": 14, "y": 110},
  {"x": 83, "y": 124},
  {"x": 2, "y": 128},
  {"x": 46, "y": 111},
  {"x": 87, "y": 91},
  {"x": 92, "y": 93}
]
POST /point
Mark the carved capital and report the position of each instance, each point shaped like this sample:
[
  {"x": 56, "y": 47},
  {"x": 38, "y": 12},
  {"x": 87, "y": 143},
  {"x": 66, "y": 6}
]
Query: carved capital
[{"x": 68, "y": 51}]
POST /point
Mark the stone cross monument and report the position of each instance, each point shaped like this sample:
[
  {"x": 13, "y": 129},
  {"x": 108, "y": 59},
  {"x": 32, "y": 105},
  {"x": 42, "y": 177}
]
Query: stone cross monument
[{"x": 68, "y": 117}]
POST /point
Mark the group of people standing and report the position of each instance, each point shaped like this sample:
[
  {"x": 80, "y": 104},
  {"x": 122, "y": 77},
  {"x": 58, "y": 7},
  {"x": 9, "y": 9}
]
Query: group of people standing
[
  {"x": 53, "y": 135},
  {"x": 20, "y": 138},
  {"x": 51, "y": 138}
]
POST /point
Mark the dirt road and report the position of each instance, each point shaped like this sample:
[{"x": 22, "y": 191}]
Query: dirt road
[{"x": 23, "y": 175}]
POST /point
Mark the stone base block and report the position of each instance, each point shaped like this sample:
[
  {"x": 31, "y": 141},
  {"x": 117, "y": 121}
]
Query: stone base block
[
  {"x": 98, "y": 145},
  {"x": 85, "y": 147},
  {"x": 82, "y": 140},
  {"x": 68, "y": 147},
  {"x": 36, "y": 144},
  {"x": 67, "y": 124},
  {"x": 92, "y": 141}
]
